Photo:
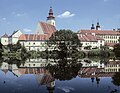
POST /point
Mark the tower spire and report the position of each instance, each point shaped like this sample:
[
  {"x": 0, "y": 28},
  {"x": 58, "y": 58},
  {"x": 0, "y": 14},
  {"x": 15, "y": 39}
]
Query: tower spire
[
  {"x": 92, "y": 28},
  {"x": 98, "y": 26},
  {"x": 51, "y": 18}
]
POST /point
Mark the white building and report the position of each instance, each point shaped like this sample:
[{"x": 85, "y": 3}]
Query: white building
[
  {"x": 4, "y": 39},
  {"x": 13, "y": 39},
  {"x": 90, "y": 40},
  {"x": 43, "y": 32},
  {"x": 110, "y": 37}
]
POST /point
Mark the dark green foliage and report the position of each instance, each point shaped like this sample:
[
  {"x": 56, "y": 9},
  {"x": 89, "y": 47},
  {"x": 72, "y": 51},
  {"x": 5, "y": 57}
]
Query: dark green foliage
[
  {"x": 99, "y": 53},
  {"x": 24, "y": 54},
  {"x": 66, "y": 45},
  {"x": 116, "y": 79},
  {"x": 64, "y": 72},
  {"x": 15, "y": 47},
  {"x": 64, "y": 36},
  {"x": 1, "y": 49},
  {"x": 116, "y": 50}
]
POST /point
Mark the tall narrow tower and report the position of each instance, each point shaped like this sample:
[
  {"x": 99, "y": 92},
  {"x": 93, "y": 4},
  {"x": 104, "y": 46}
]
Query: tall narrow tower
[
  {"x": 92, "y": 28},
  {"x": 51, "y": 18},
  {"x": 98, "y": 26}
]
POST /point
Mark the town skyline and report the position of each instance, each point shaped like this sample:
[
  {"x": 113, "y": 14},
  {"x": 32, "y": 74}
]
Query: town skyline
[{"x": 74, "y": 15}]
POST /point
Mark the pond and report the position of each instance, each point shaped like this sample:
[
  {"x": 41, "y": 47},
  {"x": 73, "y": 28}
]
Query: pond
[{"x": 90, "y": 77}]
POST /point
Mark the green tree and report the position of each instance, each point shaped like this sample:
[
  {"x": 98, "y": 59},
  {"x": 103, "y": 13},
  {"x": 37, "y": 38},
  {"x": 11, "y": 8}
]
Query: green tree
[
  {"x": 116, "y": 79},
  {"x": 116, "y": 50},
  {"x": 65, "y": 42},
  {"x": 15, "y": 47},
  {"x": 24, "y": 54}
]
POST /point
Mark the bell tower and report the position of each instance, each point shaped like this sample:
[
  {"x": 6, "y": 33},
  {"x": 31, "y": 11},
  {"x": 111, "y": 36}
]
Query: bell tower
[{"x": 51, "y": 18}]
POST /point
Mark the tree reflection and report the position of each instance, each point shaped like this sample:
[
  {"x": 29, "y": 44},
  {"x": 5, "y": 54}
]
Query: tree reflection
[
  {"x": 66, "y": 72},
  {"x": 116, "y": 79}
]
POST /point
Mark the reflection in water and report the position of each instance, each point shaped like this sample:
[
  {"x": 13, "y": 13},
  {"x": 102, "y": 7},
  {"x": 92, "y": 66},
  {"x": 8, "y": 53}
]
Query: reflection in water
[
  {"x": 52, "y": 78},
  {"x": 64, "y": 73},
  {"x": 116, "y": 79}
]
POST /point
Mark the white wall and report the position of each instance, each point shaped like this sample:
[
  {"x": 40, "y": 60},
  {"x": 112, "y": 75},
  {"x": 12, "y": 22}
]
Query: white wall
[
  {"x": 34, "y": 45},
  {"x": 39, "y": 29},
  {"x": 15, "y": 37},
  {"x": 4, "y": 41}
]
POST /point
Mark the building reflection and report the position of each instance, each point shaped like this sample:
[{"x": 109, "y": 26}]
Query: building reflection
[
  {"x": 95, "y": 71},
  {"x": 85, "y": 69}
]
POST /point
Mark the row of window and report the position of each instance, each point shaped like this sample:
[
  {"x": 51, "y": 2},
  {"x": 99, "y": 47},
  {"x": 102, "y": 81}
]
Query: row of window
[
  {"x": 113, "y": 65},
  {"x": 36, "y": 43},
  {"x": 110, "y": 37},
  {"x": 111, "y": 70},
  {"x": 91, "y": 43},
  {"x": 42, "y": 65},
  {"x": 111, "y": 41}
]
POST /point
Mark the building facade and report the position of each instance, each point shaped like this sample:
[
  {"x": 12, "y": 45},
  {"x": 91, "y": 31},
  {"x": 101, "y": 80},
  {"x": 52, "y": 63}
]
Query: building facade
[
  {"x": 5, "y": 39},
  {"x": 105, "y": 37},
  {"x": 13, "y": 39},
  {"x": 34, "y": 41},
  {"x": 91, "y": 41}
]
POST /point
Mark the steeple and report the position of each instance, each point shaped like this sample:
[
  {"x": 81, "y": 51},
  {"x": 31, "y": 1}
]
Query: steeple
[
  {"x": 51, "y": 18},
  {"x": 92, "y": 28},
  {"x": 98, "y": 26}
]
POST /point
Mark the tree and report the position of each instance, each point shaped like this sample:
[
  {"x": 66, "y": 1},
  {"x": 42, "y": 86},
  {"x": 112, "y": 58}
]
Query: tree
[
  {"x": 15, "y": 47},
  {"x": 24, "y": 54},
  {"x": 116, "y": 50},
  {"x": 116, "y": 79},
  {"x": 1, "y": 49},
  {"x": 65, "y": 42},
  {"x": 61, "y": 73}
]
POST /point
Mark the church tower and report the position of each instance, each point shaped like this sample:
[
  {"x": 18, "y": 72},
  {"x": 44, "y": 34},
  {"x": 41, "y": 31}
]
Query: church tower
[
  {"x": 92, "y": 28},
  {"x": 51, "y": 18},
  {"x": 98, "y": 26}
]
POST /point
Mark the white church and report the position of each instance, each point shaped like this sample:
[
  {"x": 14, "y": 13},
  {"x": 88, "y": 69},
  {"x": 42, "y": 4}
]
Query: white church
[{"x": 34, "y": 41}]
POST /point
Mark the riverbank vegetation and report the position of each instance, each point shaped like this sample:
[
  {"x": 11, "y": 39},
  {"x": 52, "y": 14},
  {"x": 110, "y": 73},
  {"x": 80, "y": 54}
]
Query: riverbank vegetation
[{"x": 62, "y": 44}]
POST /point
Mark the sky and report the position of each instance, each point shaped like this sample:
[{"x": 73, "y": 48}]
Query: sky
[{"x": 70, "y": 14}]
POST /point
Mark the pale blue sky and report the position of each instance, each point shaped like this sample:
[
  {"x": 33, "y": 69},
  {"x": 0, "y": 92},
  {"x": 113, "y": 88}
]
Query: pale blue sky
[{"x": 70, "y": 14}]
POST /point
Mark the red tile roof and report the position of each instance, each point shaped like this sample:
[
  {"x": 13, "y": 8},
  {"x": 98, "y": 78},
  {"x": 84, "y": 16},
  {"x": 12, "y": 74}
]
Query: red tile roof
[
  {"x": 5, "y": 36},
  {"x": 32, "y": 37},
  {"x": 88, "y": 38},
  {"x": 100, "y": 32},
  {"x": 47, "y": 28}
]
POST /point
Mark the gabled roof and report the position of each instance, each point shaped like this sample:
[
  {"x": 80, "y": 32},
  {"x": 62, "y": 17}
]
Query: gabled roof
[
  {"x": 100, "y": 32},
  {"x": 47, "y": 28},
  {"x": 13, "y": 33},
  {"x": 88, "y": 38},
  {"x": 5, "y": 36},
  {"x": 33, "y": 37}
]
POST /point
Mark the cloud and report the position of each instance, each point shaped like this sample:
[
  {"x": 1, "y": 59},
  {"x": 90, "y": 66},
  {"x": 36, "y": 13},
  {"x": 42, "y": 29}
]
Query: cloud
[
  {"x": 18, "y": 14},
  {"x": 27, "y": 30},
  {"x": 66, "y": 89},
  {"x": 4, "y": 19},
  {"x": 106, "y": 0},
  {"x": 66, "y": 14}
]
